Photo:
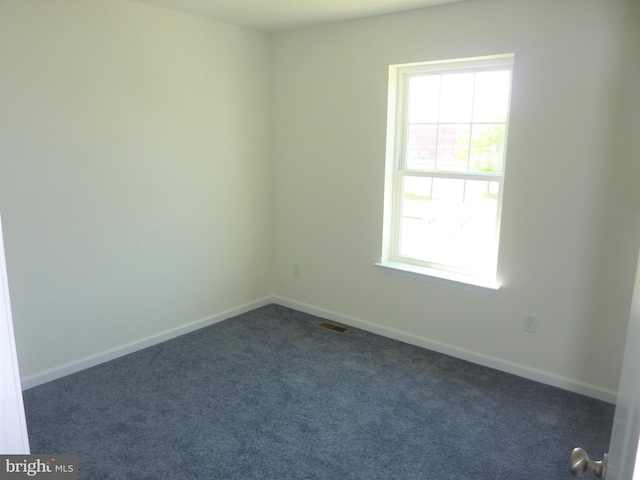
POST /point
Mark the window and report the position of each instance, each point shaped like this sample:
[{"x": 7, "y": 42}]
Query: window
[{"x": 447, "y": 135}]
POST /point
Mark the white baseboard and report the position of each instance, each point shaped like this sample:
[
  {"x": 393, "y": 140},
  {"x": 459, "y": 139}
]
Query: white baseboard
[
  {"x": 524, "y": 371},
  {"x": 520, "y": 370},
  {"x": 113, "y": 353}
]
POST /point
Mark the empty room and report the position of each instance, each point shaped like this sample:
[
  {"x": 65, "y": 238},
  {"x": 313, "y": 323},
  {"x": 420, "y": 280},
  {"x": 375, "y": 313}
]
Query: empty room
[{"x": 265, "y": 239}]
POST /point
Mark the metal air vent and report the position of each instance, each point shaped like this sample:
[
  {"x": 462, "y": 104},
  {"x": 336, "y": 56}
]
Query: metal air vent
[{"x": 333, "y": 327}]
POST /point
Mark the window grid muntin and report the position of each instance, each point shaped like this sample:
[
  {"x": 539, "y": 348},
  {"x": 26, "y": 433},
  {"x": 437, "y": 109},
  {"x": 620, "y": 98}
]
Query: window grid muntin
[{"x": 403, "y": 103}]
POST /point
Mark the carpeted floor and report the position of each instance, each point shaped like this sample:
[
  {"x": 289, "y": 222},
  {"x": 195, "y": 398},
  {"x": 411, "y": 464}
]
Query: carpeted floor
[{"x": 269, "y": 395}]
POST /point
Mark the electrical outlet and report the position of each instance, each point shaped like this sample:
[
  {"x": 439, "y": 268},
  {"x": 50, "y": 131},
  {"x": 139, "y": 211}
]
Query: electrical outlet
[
  {"x": 530, "y": 323},
  {"x": 296, "y": 269}
]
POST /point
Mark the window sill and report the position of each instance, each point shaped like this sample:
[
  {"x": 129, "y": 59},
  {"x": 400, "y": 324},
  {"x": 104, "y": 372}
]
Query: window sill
[{"x": 441, "y": 277}]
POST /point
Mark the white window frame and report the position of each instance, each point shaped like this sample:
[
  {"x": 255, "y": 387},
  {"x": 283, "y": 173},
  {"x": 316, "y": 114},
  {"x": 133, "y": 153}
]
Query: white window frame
[{"x": 395, "y": 171}]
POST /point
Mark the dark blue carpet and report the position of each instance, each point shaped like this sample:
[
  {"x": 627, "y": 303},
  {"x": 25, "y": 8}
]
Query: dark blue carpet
[{"x": 269, "y": 395}]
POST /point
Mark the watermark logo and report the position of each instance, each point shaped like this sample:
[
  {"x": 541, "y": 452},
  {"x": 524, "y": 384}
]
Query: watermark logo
[{"x": 50, "y": 467}]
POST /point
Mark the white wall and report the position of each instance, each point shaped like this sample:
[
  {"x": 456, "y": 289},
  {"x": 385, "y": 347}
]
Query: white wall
[
  {"x": 134, "y": 173},
  {"x": 571, "y": 223}
]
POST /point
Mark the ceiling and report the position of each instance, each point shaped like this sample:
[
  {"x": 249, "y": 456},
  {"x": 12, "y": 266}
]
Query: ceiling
[{"x": 279, "y": 15}]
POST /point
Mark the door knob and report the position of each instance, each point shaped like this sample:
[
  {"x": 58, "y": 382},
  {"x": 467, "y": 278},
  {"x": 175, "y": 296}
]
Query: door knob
[{"x": 581, "y": 464}]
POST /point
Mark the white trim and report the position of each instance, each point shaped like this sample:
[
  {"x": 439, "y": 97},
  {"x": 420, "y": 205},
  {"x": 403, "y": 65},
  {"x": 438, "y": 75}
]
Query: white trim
[
  {"x": 116, "y": 352},
  {"x": 441, "y": 277},
  {"x": 490, "y": 61},
  {"x": 514, "y": 368}
]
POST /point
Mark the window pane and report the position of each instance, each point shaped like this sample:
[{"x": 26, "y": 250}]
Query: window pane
[
  {"x": 449, "y": 222},
  {"x": 456, "y": 97},
  {"x": 416, "y": 195},
  {"x": 487, "y": 148},
  {"x": 416, "y": 210},
  {"x": 421, "y": 146},
  {"x": 424, "y": 98},
  {"x": 491, "y": 98},
  {"x": 453, "y": 148}
]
